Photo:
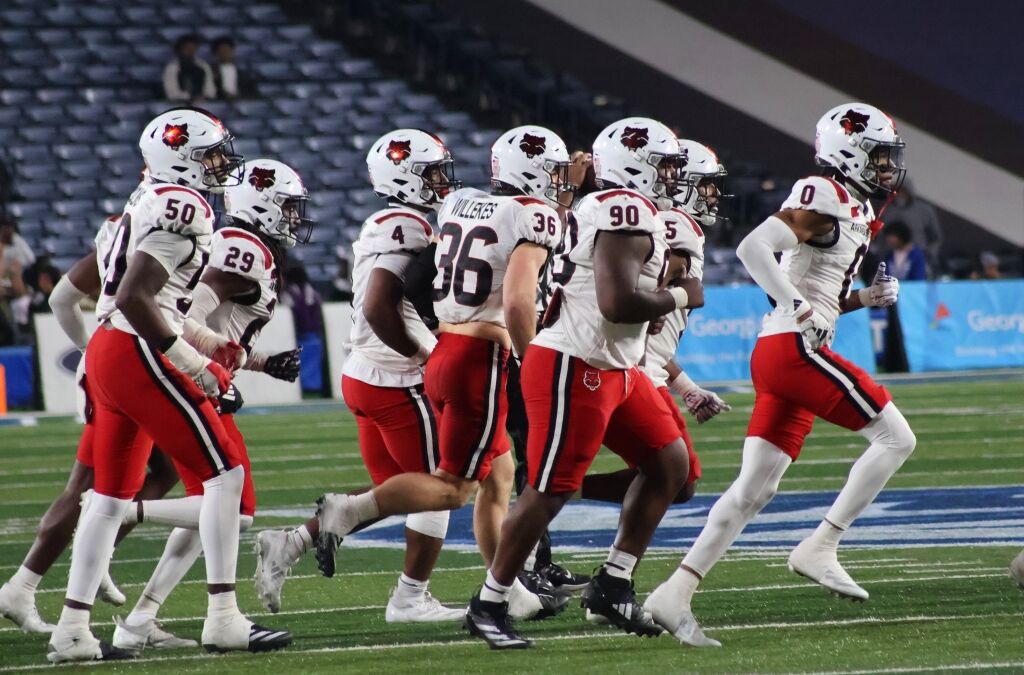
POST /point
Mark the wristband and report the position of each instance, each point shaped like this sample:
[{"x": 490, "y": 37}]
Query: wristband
[
  {"x": 865, "y": 296},
  {"x": 680, "y": 296},
  {"x": 184, "y": 357},
  {"x": 256, "y": 361},
  {"x": 682, "y": 384}
]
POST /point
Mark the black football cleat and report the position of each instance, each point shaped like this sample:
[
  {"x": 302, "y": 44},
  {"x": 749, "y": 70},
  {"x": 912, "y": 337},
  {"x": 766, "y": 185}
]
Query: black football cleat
[
  {"x": 260, "y": 639},
  {"x": 326, "y": 547},
  {"x": 565, "y": 582},
  {"x": 552, "y": 602},
  {"x": 615, "y": 600},
  {"x": 490, "y": 622}
]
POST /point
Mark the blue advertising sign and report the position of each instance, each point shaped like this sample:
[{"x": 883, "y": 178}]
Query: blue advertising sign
[
  {"x": 721, "y": 335},
  {"x": 960, "y": 325}
]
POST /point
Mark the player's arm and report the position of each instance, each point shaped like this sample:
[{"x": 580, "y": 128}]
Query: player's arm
[
  {"x": 618, "y": 261},
  {"x": 382, "y": 309},
  {"x": 519, "y": 294},
  {"x": 215, "y": 288},
  {"x": 81, "y": 281},
  {"x": 701, "y": 403}
]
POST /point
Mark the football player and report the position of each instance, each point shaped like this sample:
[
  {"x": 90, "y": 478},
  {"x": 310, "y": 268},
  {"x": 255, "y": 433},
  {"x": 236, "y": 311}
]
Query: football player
[
  {"x": 696, "y": 204},
  {"x": 382, "y": 380},
  {"x": 822, "y": 231},
  {"x": 57, "y": 526},
  {"x": 144, "y": 379},
  {"x": 490, "y": 252},
  {"x": 232, "y": 303},
  {"x": 580, "y": 379}
]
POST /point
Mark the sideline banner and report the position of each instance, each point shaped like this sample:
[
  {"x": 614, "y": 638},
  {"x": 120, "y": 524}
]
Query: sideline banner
[
  {"x": 337, "y": 326},
  {"x": 721, "y": 335},
  {"x": 960, "y": 325},
  {"x": 58, "y": 359}
]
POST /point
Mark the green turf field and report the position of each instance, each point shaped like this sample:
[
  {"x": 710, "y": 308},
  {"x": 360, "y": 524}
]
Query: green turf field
[{"x": 932, "y": 608}]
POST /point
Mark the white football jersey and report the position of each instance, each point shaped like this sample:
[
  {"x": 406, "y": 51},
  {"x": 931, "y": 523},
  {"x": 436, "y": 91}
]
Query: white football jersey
[
  {"x": 238, "y": 251},
  {"x": 681, "y": 233},
  {"x": 478, "y": 233},
  {"x": 104, "y": 242},
  {"x": 823, "y": 269},
  {"x": 390, "y": 239},
  {"x": 173, "y": 224},
  {"x": 574, "y": 323}
]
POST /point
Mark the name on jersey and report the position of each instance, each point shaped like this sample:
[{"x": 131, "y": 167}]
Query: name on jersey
[
  {"x": 472, "y": 208},
  {"x": 860, "y": 228}
]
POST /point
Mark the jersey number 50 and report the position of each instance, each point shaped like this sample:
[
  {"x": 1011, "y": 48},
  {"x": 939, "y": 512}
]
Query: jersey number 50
[{"x": 457, "y": 259}]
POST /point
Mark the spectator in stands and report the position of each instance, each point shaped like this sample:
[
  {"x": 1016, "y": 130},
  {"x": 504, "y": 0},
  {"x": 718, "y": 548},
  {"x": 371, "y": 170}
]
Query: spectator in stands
[
  {"x": 14, "y": 247},
  {"x": 40, "y": 278},
  {"x": 12, "y": 288},
  {"x": 905, "y": 261},
  {"x": 923, "y": 221},
  {"x": 229, "y": 80},
  {"x": 188, "y": 78},
  {"x": 989, "y": 267}
]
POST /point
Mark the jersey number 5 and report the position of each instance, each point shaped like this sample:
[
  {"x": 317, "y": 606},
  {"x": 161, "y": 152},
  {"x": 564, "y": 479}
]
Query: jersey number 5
[{"x": 457, "y": 259}]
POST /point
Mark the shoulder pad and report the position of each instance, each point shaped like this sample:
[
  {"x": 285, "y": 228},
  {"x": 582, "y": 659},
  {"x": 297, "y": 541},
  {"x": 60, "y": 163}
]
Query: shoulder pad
[
  {"x": 394, "y": 230},
  {"x": 820, "y": 194},
  {"x": 176, "y": 209},
  {"x": 535, "y": 222},
  {"x": 682, "y": 232},
  {"x": 240, "y": 252},
  {"x": 622, "y": 210}
]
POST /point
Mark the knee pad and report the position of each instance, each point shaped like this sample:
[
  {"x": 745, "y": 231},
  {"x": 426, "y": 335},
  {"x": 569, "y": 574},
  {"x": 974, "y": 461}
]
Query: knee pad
[
  {"x": 108, "y": 507},
  {"x": 229, "y": 481},
  {"x": 431, "y": 523},
  {"x": 891, "y": 429}
]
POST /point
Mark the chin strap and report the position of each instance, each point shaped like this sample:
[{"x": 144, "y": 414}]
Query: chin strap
[{"x": 877, "y": 224}]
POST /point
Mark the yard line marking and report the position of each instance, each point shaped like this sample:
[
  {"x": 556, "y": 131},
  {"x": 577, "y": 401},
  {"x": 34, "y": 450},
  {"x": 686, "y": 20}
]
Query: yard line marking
[
  {"x": 870, "y": 564},
  {"x": 606, "y": 635},
  {"x": 976, "y": 665},
  {"x": 868, "y": 582}
]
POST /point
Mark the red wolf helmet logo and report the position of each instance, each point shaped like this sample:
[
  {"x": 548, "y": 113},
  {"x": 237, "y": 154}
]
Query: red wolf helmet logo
[
  {"x": 399, "y": 150},
  {"x": 634, "y": 138},
  {"x": 591, "y": 379},
  {"x": 854, "y": 122},
  {"x": 532, "y": 145},
  {"x": 175, "y": 135},
  {"x": 261, "y": 179}
]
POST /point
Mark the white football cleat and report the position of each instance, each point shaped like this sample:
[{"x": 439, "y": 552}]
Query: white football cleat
[
  {"x": 1017, "y": 570},
  {"x": 523, "y": 604},
  {"x": 136, "y": 638},
  {"x": 681, "y": 623},
  {"x": 109, "y": 593},
  {"x": 80, "y": 645},
  {"x": 821, "y": 565},
  {"x": 238, "y": 634},
  {"x": 421, "y": 609},
  {"x": 275, "y": 556},
  {"x": 19, "y": 606}
]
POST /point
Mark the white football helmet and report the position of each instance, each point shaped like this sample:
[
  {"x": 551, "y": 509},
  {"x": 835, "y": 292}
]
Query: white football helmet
[
  {"x": 702, "y": 177},
  {"x": 860, "y": 141},
  {"x": 175, "y": 143},
  {"x": 641, "y": 154},
  {"x": 271, "y": 198},
  {"x": 413, "y": 167},
  {"x": 532, "y": 160}
]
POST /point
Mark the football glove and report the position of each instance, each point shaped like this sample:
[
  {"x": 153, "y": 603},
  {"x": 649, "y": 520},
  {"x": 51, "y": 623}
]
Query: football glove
[
  {"x": 883, "y": 291},
  {"x": 284, "y": 365},
  {"x": 214, "y": 380},
  {"x": 230, "y": 401},
  {"x": 817, "y": 331},
  {"x": 704, "y": 404}
]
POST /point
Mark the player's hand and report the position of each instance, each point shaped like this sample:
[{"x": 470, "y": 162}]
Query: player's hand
[
  {"x": 816, "y": 329},
  {"x": 230, "y": 401},
  {"x": 214, "y": 380},
  {"x": 704, "y": 404},
  {"x": 884, "y": 290},
  {"x": 284, "y": 365},
  {"x": 655, "y": 326},
  {"x": 230, "y": 355}
]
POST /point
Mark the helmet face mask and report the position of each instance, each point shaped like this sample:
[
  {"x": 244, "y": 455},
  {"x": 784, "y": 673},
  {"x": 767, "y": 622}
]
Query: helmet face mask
[
  {"x": 702, "y": 185},
  {"x": 272, "y": 199},
  {"x": 223, "y": 166},
  {"x": 533, "y": 161},
  {"x": 885, "y": 170},
  {"x": 438, "y": 179}
]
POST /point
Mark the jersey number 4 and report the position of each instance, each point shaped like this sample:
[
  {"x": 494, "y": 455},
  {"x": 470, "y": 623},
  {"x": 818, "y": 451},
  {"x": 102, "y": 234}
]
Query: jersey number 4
[{"x": 458, "y": 259}]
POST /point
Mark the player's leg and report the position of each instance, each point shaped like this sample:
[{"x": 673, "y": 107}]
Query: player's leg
[
  {"x": 491, "y": 505},
  {"x": 856, "y": 402},
  {"x": 182, "y": 421},
  {"x": 567, "y": 422},
  {"x": 645, "y": 433},
  {"x": 1017, "y": 570}
]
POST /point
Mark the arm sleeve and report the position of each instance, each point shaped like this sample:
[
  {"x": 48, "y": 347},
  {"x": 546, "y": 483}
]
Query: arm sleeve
[
  {"x": 169, "y": 249},
  {"x": 204, "y": 303},
  {"x": 757, "y": 253},
  {"x": 64, "y": 302}
]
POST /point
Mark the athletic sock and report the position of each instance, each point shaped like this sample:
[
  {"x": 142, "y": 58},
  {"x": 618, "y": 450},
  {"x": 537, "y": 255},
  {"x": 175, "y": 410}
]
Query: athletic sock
[
  {"x": 180, "y": 553},
  {"x": 300, "y": 540},
  {"x": 93, "y": 546},
  {"x": 365, "y": 506},
  {"x": 218, "y": 525},
  {"x": 493, "y": 590},
  {"x": 409, "y": 588},
  {"x": 827, "y": 535},
  {"x": 620, "y": 564},
  {"x": 26, "y": 580},
  {"x": 683, "y": 584},
  {"x": 182, "y": 512},
  {"x": 223, "y": 605},
  {"x": 72, "y": 620}
]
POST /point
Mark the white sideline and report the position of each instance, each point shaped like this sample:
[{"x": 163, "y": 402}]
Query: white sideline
[{"x": 577, "y": 636}]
